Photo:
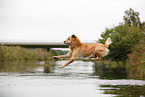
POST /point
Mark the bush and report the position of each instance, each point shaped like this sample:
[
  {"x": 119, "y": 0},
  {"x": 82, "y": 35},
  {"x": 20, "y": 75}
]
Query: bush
[
  {"x": 123, "y": 37},
  {"x": 18, "y": 53},
  {"x": 136, "y": 60}
]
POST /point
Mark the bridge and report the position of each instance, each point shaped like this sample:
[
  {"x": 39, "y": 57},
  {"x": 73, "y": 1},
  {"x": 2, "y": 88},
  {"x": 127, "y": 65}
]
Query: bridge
[{"x": 36, "y": 44}]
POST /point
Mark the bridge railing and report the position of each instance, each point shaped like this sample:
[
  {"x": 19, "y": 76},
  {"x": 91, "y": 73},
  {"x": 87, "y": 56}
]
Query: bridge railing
[
  {"x": 31, "y": 42},
  {"x": 38, "y": 42}
]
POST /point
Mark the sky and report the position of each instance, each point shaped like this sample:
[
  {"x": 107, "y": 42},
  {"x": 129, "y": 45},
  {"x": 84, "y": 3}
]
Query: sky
[{"x": 55, "y": 20}]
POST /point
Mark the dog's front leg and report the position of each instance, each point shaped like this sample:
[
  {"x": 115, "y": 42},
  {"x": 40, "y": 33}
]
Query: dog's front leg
[
  {"x": 63, "y": 56},
  {"x": 67, "y": 63}
]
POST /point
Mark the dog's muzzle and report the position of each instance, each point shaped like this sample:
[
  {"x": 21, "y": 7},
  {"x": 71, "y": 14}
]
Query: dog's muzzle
[{"x": 67, "y": 43}]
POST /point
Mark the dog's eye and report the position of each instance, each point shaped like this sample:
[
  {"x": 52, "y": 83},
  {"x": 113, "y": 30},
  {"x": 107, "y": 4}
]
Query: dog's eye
[{"x": 68, "y": 38}]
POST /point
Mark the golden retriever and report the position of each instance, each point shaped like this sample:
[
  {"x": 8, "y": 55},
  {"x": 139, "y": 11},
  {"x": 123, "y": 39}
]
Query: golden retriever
[{"x": 78, "y": 49}]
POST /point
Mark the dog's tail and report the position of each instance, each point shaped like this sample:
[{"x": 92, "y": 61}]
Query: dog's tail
[{"x": 108, "y": 42}]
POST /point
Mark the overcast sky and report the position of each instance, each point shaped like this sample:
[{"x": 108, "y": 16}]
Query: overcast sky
[{"x": 58, "y": 19}]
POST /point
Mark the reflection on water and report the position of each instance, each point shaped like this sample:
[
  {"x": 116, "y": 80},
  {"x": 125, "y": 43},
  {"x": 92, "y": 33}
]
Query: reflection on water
[
  {"x": 110, "y": 70},
  {"x": 81, "y": 78},
  {"x": 24, "y": 67},
  {"x": 124, "y": 90}
]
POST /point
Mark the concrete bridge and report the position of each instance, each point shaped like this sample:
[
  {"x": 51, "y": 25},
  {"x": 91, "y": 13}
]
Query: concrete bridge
[{"x": 36, "y": 44}]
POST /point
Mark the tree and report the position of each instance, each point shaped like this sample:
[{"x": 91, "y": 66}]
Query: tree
[
  {"x": 124, "y": 36},
  {"x": 132, "y": 18},
  {"x": 123, "y": 39},
  {"x": 136, "y": 60}
]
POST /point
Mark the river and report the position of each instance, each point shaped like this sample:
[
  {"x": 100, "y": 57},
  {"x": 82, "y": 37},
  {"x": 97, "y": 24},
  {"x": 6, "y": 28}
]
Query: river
[{"x": 79, "y": 79}]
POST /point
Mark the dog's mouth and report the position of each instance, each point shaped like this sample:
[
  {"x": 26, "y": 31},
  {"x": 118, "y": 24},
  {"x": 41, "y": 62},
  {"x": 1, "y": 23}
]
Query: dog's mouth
[{"x": 68, "y": 44}]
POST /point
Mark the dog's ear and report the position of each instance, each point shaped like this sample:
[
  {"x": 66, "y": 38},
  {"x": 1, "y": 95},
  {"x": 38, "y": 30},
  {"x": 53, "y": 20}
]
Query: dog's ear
[{"x": 73, "y": 36}]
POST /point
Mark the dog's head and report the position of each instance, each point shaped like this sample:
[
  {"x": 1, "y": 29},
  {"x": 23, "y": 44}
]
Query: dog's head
[{"x": 72, "y": 41}]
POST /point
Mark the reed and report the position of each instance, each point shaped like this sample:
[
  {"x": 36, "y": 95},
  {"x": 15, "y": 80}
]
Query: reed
[{"x": 19, "y": 53}]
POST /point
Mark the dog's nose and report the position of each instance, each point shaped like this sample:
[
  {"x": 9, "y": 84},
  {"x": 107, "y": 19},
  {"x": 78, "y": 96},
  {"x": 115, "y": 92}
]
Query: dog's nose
[{"x": 64, "y": 41}]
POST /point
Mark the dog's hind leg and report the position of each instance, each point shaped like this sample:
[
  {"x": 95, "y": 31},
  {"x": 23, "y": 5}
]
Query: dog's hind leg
[{"x": 98, "y": 56}]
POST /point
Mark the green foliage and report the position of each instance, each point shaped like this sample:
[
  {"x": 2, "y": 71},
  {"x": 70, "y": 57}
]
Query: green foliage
[
  {"x": 18, "y": 53},
  {"x": 60, "y": 52},
  {"x": 54, "y": 52},
  {"x": 136, "y": 60},
  {"x": 132, "y": 18},
  {"x": 128, "y": 44},
  {"x": 123, "y": 39}
]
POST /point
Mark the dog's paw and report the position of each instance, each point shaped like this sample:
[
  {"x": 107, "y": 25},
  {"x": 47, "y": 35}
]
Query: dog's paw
[
  {"x": 56, "y": 57},
  {"x": 95, "y": 58},
  {"x": 61, "y": 66}
]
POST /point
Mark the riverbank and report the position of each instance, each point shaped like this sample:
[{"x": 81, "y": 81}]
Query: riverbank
[
  {"x": 19, "y": 53},
  {"x": 135, "y": 68}
]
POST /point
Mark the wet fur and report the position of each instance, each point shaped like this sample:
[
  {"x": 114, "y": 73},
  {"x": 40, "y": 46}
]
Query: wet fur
[{"x": 78, "y": 49}]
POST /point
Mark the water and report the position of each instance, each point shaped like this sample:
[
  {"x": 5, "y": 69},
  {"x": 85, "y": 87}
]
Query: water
[{"x": 79, "y": 79}]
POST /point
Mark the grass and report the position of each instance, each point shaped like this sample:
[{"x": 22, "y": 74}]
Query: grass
[{"x": 19, "y": 53}]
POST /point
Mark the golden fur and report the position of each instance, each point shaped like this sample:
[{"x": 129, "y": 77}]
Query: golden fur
[{"x": 78, "y": 49}]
